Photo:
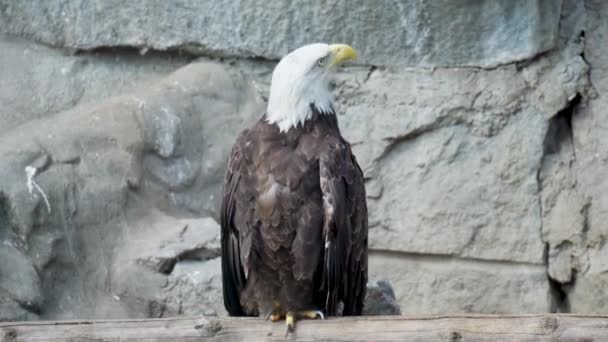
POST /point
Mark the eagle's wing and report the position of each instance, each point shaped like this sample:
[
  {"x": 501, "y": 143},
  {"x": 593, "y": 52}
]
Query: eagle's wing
[
  {"x": 233, "y": 275},
  {"x": 345, "y": 226}
]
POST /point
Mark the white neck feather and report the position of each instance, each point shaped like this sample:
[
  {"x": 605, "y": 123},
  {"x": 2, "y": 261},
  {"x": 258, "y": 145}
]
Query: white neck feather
[
  {"x": 290, "y": 105},
  {"x": 296, "y": 84}
]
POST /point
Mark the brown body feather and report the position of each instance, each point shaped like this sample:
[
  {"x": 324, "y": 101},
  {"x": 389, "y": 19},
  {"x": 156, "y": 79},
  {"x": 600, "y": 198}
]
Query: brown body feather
[{"x": 294, "y": 221}]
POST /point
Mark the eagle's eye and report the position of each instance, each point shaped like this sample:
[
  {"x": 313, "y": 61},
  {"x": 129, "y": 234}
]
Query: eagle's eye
[{"x": 321, "y": 61}]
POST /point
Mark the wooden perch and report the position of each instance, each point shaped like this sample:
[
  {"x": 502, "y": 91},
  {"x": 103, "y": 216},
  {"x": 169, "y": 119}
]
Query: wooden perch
[{"x": 549, "y": 327}]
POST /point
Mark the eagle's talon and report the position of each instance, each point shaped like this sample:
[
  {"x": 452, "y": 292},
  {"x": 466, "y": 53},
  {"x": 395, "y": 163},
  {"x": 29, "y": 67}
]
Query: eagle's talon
[
  {"x": 290, "y": 321},
  {"x": 312, "y": 314},
  {"x": 290, "y": 318},
  {"x": 276, "y": 317}
]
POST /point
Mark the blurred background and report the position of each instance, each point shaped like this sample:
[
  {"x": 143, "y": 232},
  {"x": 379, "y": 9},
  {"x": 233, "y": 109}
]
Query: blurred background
[{"x": 479, "y": 126}]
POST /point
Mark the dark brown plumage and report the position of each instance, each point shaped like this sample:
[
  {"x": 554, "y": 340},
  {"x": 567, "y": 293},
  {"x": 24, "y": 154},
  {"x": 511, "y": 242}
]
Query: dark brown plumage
[{"x": 294, "y": 221}]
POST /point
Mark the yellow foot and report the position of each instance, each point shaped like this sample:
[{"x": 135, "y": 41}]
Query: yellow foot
[
  {"x": 311, "y": 314},
  {"x": 275, "y": 315},
  {"x": 290, "y": 318}
]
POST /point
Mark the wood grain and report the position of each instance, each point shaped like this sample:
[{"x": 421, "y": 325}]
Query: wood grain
[{"x": 458, "y": 328}]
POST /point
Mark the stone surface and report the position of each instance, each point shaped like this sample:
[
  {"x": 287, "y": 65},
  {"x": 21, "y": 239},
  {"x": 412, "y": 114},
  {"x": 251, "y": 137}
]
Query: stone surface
[
  {"x": 10, "y": 310},
  {"x": 174, "y": 241},
  {"x": 564, "y": 208},
  {"x": 453, "y": 164},
  {"x": 195, "y": 288},
  {"x": 573, "y": 192},
  {"x": 180, "y": 259},
  {"x": 92, "y": 187},
  {"x": 588, "y": 295},
  {"x": 589, "y": 130},
  {"x": 477, "y": 33},
  {"x": 589, "y": 135},
  {"x": 431, "y": 285},
  {"x": 38, "y": 81},
  {"x": 380, "y": 299},
  {"x": 20, "y": 295}
]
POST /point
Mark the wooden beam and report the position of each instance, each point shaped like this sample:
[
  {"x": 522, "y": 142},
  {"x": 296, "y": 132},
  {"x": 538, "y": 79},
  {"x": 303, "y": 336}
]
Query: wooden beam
[{"x": 461, "y": 328}]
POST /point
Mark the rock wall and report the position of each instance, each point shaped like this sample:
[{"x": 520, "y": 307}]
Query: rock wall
[
  {"x": 478, "y": 125},
  {"x": 473, "y": 33}
]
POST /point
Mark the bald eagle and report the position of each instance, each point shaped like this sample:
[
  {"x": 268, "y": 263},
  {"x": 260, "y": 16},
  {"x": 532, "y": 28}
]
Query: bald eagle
[{"x": 293, "y": 212}]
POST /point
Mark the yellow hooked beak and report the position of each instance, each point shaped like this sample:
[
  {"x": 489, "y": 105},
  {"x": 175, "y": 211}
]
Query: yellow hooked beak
[{"x": 342, "y": 53}]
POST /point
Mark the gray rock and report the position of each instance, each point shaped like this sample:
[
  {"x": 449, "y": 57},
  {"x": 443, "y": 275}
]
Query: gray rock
[
  {"x": 166, "y": 241},
  {"x": 589, "y": 132},
  {"x": 589, "y": 136},
  {"x": 440, "y": 285},
  {"x": 561, "y": 266},
  {"x": 478, "y": 33},
  {"x": 175, "y": 174},
  {"x": 37, "y": 81},
  {"x": 20, "y": 292},
  {"x": 10, "y": 310},
  {"x": 92, "y": 191},
  {"x": 588, "y": 295},
  {"x": 564, "y": 209},
  {"x": 162, "y": 130},
  {"x": 195, "y": 288},
  {"x": 380, "y": 299},
  {"x": 220, "y": 102},
  {"x": 452, "y": 165}
]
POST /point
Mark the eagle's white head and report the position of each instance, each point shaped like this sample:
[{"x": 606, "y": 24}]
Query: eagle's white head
[{"x": 301, "y": 79}]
